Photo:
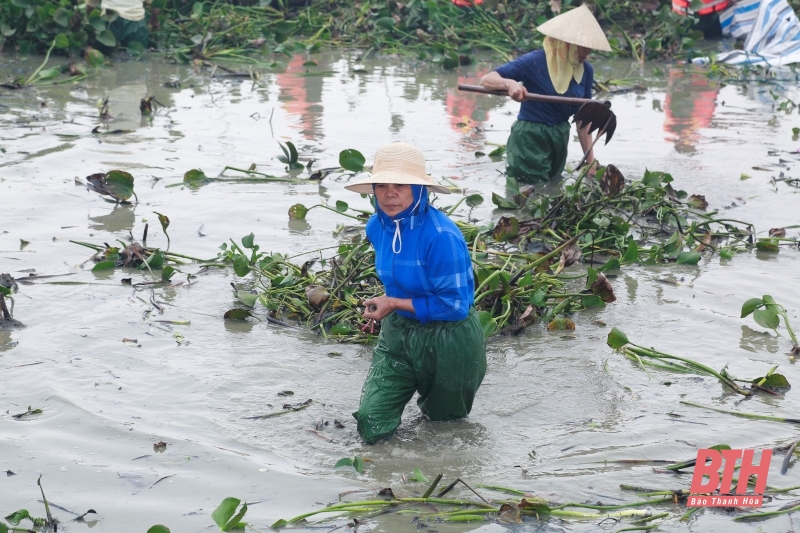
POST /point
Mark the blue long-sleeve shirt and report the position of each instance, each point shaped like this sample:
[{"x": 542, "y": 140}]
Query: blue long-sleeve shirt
[
  {"x": 531, "y": 71},
  {"x": 432, "y": 266}
]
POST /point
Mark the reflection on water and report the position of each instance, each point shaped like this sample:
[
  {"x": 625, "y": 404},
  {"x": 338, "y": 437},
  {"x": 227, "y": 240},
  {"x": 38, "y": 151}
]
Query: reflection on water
[
  {"x": 121, "y": 218},
  {"x": 301, "y": 95},
  {"x": 758, "y": 341},
  {"x": 689, "y": 106},
  {"x": 298, "y": 225}
]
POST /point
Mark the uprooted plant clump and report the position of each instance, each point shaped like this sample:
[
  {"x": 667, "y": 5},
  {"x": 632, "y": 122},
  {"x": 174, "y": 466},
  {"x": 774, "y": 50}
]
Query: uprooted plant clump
[
  {"x": 518, "y": 262},
  {"x": 607, "y": 223}
]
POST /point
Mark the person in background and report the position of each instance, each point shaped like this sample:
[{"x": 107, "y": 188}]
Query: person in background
[
  {"x": 537, "y": 146},
  {"x": 130, "y": 25},
  {"x": 431, "y": 340}
]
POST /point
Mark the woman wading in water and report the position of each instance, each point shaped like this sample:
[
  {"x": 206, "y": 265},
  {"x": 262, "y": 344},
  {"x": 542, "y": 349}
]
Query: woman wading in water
[
  {"x": 537, "y": 146},
  {"x": 431, "y": 340}
]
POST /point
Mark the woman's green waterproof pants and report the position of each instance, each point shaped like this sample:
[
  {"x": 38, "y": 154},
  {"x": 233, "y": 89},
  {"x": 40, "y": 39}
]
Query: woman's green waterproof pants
[
  {"x": 536, "y": 152},
  {"x": 444, "y": 361}
]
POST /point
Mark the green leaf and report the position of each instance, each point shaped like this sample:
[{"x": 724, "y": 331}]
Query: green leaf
[
  {"x": 247, "y": 241},
  {"x": 611, "y": 264},
  {"x": 767, "y": 318},
  {"x": 247, "y": 298},
  {"x": 651, "y": 179},
  {"x": 241, "y": 265},
  {"x": 767, "y": 245},
  {"x": 235, "y": 522},
  {"x": 506, "y": 229},
  {"x": 158, "y": 528},
  {"x": 345, "y": 461},
  {"x": 340, "y": 329},
  {"x": 277, "y": 525},
  {"x": 62, "y": 41},
  {"x": 120, "y": 184},
  {"x": 18, "y": 516},
  {"x": 103, "y": 265},
  {"x": 358, "y": 464},
  {"x": 502, "y": 203},
  {"x": 631, "y": 252},
  {"x": 341, "y": 206},
  {"x": 21, "y": 3},
  {"x": 61, "y": 17},
  {"x": 769, "y": 300},
  {"x": 418, "y": 476},
  {"x": 3, "y": 528},
  {"x": 164, "y": 220},
  {"x": 225, "y": 511},
  {"x": 527, "y": 280},
  {"x": 751, "y": 305},
  {"x": 688, "y": 258},
  {"x": 488, "y": 323},
  {"x": 616, "y": 338},
  {"x": 195, "y": 177},
  {"x": 591, "y": 277},
  {"x": 726, "y": 253},
  {"x": 156, "y": 260},
  {"x": 474, "y": 200},
  {"x": 48, "y": 73},
  {"x": 498, "y": 152},
  {"x": 298, "y": 212},
  {"x": 592, "y": 301},
  {"x": 292, "y": 152},
  {"x": 107, "y": 38},
  {"x": 351, "y": 160},
  {"x": 95, "y": 58},
  {"x": 236, "y": 314},
  {"x": 538, "y": 298},
  {"x": 774, "y": 381},
  {"x": 167, "y": 272},
  {"x": 386, "y": 23}
]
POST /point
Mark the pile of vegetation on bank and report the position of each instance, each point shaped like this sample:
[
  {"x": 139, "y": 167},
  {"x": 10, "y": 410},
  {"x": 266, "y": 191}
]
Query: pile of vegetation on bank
[{"x": 434, "y": 30}]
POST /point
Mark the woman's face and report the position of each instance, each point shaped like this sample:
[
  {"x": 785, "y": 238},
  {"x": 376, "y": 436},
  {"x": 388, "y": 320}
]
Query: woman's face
[
  {"x": 583, "y": 53},
  {"x": 393, "y": 198}
]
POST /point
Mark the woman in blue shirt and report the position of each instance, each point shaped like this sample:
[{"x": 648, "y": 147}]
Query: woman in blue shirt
[
  {"x": 537, "y": 146},
  {"x": 431, "y": 340}
]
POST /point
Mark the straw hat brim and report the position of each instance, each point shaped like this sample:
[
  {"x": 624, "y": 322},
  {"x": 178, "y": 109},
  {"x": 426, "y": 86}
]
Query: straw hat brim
[
  {"x": 364, "y": 185},
  {"x": 577, "y": 26}
]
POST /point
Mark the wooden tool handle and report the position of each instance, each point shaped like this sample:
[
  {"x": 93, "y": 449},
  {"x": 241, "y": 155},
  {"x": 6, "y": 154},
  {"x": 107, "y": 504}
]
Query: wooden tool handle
[{"x": 532, "y": 96}]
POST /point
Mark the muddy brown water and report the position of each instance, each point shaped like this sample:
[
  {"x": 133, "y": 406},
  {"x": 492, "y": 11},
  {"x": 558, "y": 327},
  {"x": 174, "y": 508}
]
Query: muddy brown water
[{"x": 547, "y": 416}]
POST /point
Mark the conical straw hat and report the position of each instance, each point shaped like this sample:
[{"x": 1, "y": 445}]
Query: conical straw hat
[
  {"x": 577, "y": 26},
  {"x": 398, "y": 163}
]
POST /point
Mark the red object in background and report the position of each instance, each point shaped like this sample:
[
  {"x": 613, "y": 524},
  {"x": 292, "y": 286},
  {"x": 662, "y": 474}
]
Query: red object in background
[
  {"x": 711, "y": 6},
  {"x": 467, "y": 3}
]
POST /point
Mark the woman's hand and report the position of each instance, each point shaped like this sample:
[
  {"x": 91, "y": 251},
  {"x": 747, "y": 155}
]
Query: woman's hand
[
  {"x": 382, "y": 306},
  {"x": 494, "y": 82},
  {"x": 515, "y": 90},
  {"x": 378, "y": 308}
]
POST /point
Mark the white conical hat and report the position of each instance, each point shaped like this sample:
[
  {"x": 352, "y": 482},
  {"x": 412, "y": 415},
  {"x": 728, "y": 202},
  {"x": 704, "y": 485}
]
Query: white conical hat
[
  {"x": 398, "y": 163},
  {"x": 577, "y": 26}
]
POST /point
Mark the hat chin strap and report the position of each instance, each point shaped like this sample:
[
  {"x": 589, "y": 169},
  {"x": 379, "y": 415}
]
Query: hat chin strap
[{"x": 397, "y": 240}]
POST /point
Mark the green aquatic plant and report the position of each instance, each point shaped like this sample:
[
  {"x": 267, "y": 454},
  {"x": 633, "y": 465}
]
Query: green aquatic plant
[
  {"x": 116, "y": 184},
  {"x": 767, "y": 314},
  {"x": 664, "y": 361},
  {"x": 226, "y": 516}
]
